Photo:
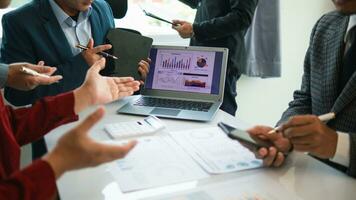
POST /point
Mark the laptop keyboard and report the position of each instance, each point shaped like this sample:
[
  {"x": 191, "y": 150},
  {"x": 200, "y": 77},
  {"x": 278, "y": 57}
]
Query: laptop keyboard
[{"x": 172, "y": 103}]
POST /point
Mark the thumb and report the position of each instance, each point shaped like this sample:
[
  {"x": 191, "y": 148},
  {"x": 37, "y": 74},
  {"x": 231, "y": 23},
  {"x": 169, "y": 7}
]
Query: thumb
[
  {"x": 98, "y": 65},
  {"x": 90, "y": 121},
  {"x": 90, "y": 44},
  {"x": 41, "y": 63}
]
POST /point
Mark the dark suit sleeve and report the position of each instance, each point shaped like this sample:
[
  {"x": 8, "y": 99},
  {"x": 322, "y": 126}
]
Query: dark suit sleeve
[
  {"x": 191, "y": 3},
  {"x": 301, "y": 103},
  {"x": 239, "y": 18},
  {"x": 352, "y": 167},
  {"x": 17, "y": 46}
]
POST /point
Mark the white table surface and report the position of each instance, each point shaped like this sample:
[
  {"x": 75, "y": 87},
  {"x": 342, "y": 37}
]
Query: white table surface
[{"x": 301, "y": 176}]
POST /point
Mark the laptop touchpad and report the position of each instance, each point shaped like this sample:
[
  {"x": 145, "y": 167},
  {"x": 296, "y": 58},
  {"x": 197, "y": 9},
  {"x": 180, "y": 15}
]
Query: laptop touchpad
[{"x": 162, "y": 111}]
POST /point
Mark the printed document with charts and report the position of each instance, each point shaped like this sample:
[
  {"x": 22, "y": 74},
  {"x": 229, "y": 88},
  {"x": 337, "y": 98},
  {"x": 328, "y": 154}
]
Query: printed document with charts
[{"x": 180, "y": 157}]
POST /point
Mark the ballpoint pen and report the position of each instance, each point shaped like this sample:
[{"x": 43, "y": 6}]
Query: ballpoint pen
[
  {"x": 104, "y": 54},
  {"x": 32, "y": 72},
  {"x": 323, "y": 118}
]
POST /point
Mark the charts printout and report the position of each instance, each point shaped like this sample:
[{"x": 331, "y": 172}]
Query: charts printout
[
  {"x": 155, "y": 161},
  {"x": 214, "y": 151}
]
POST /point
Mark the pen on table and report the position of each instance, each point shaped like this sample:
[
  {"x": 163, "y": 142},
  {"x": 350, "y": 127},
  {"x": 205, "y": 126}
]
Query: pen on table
[
  {"x": 104, "y": 54},
  {"x": 324, "y": 118},
  {"x": 32, "y": 72}
]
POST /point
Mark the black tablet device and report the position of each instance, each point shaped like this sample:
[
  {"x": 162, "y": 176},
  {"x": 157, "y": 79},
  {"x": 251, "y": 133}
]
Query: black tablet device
[{"x": 130, "y": 48}]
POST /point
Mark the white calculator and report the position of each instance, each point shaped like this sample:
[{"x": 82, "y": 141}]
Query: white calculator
[{"x": 124, "y": 130}]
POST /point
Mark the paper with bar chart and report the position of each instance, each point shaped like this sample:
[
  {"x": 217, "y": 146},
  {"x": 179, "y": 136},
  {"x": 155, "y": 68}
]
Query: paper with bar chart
[{"x": 184, "y": 71}]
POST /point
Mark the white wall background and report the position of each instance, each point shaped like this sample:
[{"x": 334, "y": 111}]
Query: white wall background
[{"x": 262, "y": 101}]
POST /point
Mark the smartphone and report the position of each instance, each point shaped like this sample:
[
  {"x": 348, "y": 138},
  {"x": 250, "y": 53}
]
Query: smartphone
[{"x": 243, "y": 137}]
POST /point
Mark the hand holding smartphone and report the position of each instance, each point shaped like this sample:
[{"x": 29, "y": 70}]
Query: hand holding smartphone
[{"x": 244, "y": 137}]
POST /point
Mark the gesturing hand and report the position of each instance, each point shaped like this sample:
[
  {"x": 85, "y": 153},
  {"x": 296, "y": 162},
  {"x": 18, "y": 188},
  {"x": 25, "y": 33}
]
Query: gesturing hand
[
  {"x": 76, "y": 150},
  {"x": 98, "y": 89},
  {"x": 21, "y": 81},
  {"x": 308, "y": 134},
  {"x": 274, "y": 155},
  {"x": 91, "y": 55}
]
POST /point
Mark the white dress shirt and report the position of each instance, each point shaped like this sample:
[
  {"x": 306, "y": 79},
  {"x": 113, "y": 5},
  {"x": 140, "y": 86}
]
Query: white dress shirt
[
  {"x": 342, "y": 155},
  {"x": 76, "y": 32}
]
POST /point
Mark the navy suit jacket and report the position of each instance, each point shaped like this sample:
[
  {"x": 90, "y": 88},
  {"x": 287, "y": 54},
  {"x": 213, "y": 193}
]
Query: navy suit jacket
[{"x": 32, "y": 33}]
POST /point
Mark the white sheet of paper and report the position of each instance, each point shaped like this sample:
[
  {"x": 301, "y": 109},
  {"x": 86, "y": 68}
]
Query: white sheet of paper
[
  {"x": 155, "y": 161},
  {"x": 215, "y": 151}
]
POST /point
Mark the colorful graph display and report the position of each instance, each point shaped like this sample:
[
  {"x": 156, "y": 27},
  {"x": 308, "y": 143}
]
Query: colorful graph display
[{"x": 174, "y": 63}]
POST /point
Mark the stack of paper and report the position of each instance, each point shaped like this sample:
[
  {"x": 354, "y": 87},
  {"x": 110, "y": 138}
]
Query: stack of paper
[
  {"x": 214, "y": 151},
  {"x": 180, "y": 157},
  {"x": 155, "y": 161}
]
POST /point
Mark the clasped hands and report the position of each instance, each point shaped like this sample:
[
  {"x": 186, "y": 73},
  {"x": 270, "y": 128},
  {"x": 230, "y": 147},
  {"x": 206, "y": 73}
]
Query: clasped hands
[{"x": 303, "y": 133}]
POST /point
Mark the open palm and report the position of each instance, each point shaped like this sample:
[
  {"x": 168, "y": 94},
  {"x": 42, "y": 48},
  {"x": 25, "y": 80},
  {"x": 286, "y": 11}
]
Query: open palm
[{"x": 106, "y": 89}]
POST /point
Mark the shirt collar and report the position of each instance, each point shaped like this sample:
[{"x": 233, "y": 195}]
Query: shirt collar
[
  {"x": 63, "y": 17},
  {"x": 352, "y": 23}
]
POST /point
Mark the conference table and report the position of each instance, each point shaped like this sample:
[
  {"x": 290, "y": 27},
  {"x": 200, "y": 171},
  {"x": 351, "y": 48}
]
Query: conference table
[{"x": 302, "y": 177}]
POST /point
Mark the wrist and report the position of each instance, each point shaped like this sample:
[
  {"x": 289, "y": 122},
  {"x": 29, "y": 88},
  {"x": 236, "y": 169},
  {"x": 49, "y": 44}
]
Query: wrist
[
  {"x": 82, "y": 99},
  {"x": 56, "y": 164}
]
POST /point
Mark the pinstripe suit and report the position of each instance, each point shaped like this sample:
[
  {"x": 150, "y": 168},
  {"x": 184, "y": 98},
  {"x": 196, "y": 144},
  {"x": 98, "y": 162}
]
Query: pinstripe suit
[{"x": 319, "y": 92}]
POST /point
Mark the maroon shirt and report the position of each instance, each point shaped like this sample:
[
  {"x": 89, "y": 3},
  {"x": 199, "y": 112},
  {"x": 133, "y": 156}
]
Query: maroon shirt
[{"x": 20, "y": 127}]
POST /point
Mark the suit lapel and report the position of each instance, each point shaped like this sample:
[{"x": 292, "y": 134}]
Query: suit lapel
[
  {"x": 330, "y": 66},
  {"x": 95, "y": 27},
  {"x": 349, "y": 92},
  {"x": 55, "y": 31}
]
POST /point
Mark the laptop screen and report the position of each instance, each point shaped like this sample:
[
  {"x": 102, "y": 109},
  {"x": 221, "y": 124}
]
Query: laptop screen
[{"x": 185, "y": 70}]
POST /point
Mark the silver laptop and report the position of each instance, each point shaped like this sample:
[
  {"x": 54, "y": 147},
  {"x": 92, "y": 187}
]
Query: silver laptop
[{"x": 183, "y": 83}]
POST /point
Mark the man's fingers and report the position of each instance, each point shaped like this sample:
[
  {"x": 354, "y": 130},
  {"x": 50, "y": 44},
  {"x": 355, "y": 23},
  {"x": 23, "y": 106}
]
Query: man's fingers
[
  {"x": 306, "y": 140},
  {"x": 259, "y": 130},
  {"x": 113, "y": 152},
  {"x": 41, "y": 63},
  {"x": 279, "y": 160},
  {"x": 299, "y": 120},
  {"x": 41, "y": 68},
  {"x": 98, "y": 66},
  {"x": 90, "y": 44},
  {"x": 125, "y": 94},
  {"x": 101, "y": 48},
  {"x": 119, "y": 80},
  {"x": 261, "y": 153},
  {"x": 299, "y": 131},
  {"x": 268, "y": 160},
  {"x": 91, "y": 120},
  {"x": 47, "y": 81}
]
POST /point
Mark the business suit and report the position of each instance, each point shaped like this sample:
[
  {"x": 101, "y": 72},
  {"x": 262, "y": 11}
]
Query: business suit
[
  {"x": 319, "y": 92},
  {"x": 32, "y": 33},
  {"x": 224, "y": 23}
]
